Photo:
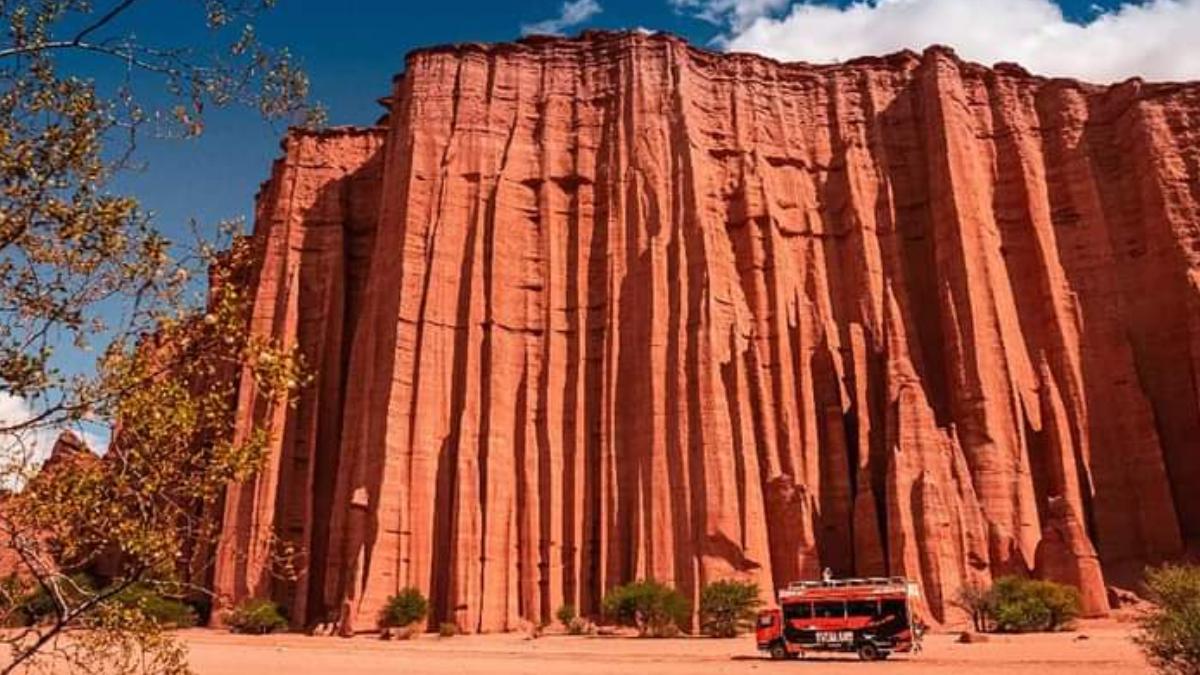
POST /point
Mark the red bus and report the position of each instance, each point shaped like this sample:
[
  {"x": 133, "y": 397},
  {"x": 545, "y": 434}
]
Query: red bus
[{"x": 873, "y": 617}]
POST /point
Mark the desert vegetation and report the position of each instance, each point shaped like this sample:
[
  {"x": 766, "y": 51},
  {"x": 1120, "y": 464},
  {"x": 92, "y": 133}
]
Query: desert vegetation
[
  {"x": 1020, "y": 605},
  {"x": 566, "y": 614},
  {"x": 1169, "y": 632},
  {"x": 572, "y": 622},
  {"x": 728, "y": 607},
  {"x": 256, "y": 617},
  {"x": 403, "y": 612},
  {"x": 654, "y": 608}
]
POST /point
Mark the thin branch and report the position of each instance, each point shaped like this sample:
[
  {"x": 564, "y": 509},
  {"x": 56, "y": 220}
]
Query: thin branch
[
  {"x": 64, "y": 621},
  {"x": 125, "y": 54},
  {"x": 62, "y": 407},
  {"x": 112, "y": 14},
  {"x": 38, "y": 418},
  {"x": 39, "y": 47},
  {"x": 128, "y": 56},
  {"x": 75, "y": 43}
]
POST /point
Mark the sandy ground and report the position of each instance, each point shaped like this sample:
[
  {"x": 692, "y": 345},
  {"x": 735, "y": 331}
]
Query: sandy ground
[{"x": 1095, "y": 648}]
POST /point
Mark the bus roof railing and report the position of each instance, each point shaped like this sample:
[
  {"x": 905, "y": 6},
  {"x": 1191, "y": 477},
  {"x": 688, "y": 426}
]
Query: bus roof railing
[{"x": 877, "y": 584}]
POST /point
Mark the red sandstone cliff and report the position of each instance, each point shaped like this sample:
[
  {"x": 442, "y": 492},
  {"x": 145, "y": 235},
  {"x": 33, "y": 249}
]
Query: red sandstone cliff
[{"x": 585, "y": 310}]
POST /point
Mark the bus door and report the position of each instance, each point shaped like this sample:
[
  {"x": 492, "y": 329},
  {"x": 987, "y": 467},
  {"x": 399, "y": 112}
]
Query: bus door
[{"x": 893, "y": 619}]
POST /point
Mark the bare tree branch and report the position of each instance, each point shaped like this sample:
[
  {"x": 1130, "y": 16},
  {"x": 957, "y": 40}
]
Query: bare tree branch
[{"x": 109, "y": 16}]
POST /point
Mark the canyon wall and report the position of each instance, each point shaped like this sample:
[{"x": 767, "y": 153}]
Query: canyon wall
[{"x": 581, "y": 311}]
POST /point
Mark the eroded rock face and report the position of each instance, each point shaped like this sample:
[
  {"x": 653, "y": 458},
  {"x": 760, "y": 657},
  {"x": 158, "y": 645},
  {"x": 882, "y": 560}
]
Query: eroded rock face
[
  {"x": 315, "y": 227},
  {"x": 587, "y": 310}
]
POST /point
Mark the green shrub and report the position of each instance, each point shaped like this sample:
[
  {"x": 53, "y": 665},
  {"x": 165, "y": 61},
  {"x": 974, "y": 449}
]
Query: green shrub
[
  {"x": 256, "y": 617},
  {"x": 38, "y": 606},
  {"x": 148, "y": 598},
  {"x": 202, "y": 606},
  {"x": 655, "y": 609},
  {"x": 1169, "y": 633},
  {"x": 151, "y": 601},
  {"x": 580, "y": 626},
  {"x": 1017, "y": 605},
  {"x": 566, "y": 614},
  {"x": 404, "y": 609},
  {"x": 575, "y": 624},
  {"x": 447, "y": 629},
  {"x": 728, "y": 607}
]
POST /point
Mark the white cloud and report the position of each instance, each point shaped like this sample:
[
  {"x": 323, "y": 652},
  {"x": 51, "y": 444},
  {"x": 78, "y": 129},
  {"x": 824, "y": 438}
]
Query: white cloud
[
  {"x": 14, "y": 411},
  {"x": 23, "y": 452},
  {"x": 736, "y": 13},
  {"x": 572, "y": 13},
  {"x": 1157, "y": 39}
]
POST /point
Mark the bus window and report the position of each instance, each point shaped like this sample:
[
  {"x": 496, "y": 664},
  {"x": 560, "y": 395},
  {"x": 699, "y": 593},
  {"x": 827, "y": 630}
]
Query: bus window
[
  {"x": 829, "y": 610},
  {"x": 862, "y": 608},
  {"x": 895, "y": 608},
  {"x": 797, "y": 610},
  {"x": 766, "y": 620}
]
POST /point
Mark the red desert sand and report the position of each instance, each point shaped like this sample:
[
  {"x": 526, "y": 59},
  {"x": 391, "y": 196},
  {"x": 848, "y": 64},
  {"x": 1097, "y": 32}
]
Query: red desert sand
[{"x": 1096, "y": 648}]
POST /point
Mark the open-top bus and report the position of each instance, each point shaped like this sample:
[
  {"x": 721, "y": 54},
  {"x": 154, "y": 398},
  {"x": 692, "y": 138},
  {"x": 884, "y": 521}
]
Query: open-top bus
[{"x": 871, "y": 616}]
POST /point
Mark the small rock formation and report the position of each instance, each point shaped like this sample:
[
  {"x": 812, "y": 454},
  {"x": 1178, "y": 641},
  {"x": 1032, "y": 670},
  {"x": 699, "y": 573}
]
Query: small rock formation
[
  {"x": 1121, "y": 598},
  {"x": 970, "y": 637},
  {"x": 1066, "y": 555},
  {"x": 69, "y": 450},
  {"x": 586, "y": 310}
]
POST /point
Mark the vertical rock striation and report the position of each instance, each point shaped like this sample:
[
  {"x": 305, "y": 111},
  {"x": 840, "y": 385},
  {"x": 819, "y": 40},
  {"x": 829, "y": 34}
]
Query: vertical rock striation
[
  {"x": 315, "y": 221},
  {"x": 587, "y": 310}
]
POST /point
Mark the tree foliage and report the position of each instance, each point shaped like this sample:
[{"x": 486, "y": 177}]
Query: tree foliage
[
  {"x": 86, "y": 269},
  {"x": 69, "y": 245},
  {"x": 145, "y": 510},
  {"x": 654, "y": 608},
  {"x": 728, "y": 607},
  {"x": 1169, "y": 633}
]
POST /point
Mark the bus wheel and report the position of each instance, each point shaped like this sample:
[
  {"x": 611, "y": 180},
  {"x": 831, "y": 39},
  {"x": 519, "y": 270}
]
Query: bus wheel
[
  {"x": 778, "y": 651},
  {"x": 867, "y": 651}
]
